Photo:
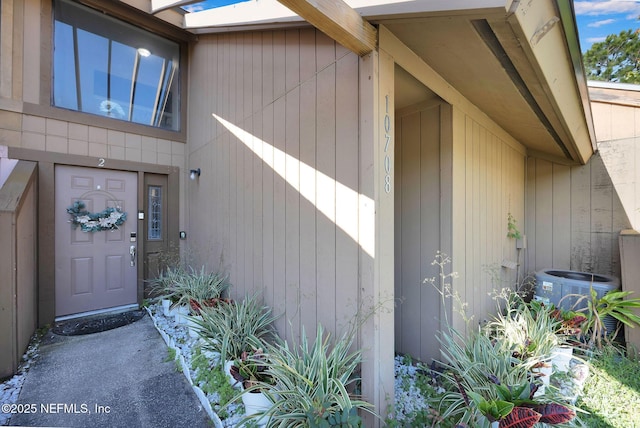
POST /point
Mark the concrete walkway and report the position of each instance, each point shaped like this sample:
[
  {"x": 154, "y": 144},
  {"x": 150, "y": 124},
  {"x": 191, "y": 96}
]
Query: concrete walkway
[{"x": 116, "y": 378}]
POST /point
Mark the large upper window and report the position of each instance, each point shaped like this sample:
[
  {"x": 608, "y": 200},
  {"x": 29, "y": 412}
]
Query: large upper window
[{"x": 110, "y": 68}]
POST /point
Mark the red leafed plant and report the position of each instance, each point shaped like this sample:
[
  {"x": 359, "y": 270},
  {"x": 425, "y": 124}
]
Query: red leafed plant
[
  {"x": 196, "y": 305},
  {"x": 527, "y": 417},
  {"x": 527, "y": 411},
  {"x": 570, "y": 322},
  {"x": 554, "y": 413},
  {"x": 520, "y": 417}
]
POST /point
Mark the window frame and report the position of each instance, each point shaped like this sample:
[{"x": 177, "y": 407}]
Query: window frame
[
  {"x": 99, "y": 68},
  {"x": 127, "y": 13}
]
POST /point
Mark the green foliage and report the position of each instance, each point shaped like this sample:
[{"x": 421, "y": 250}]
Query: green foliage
[
  {"x": 428, "y": 418},
  {"x": 185, "y": 285},
  {"x": 171, "y": 355},
  {"x": 488, "y": 375},
  {"x": 163, "y": 286},
  {"x": 488, "y": 368},
  {"x": 494, "y": 410},
  {"x": 312, "y": 381},
  {"x": 237, "y": 327},
  {"x": 212, "y": 380},
  {"x": 517, "y": 394},
  {"x": 414, "y": 414},
  {"x": 475, "y": 364},
  {"x": 419, "y": 418},
  {"x": 512, "y": 228},
  {"x": 346, "y": 418},
  {"x": 611, "y": 394},
  {"x": 615, "y": 304},
  {"x": 250, "y": 369},
  {"x": 40, "y": 332},
  {"x": 423, "y": 382},
  {"x": 528, "y": 333},
  {"x": 617, "y": 59}
]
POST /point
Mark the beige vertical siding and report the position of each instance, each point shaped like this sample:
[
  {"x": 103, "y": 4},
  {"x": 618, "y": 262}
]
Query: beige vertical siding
[
  {"x": 18, "y": 265},
  {"x": 487, "y": 185},
  {"x": 482, "y": 179},
  {"x": 277, "y": 204},
  {"x": 575, "y": 213},
  {"x": 417, "y": 223},
  {"x": 574, "y": 216},
  {"x": 618, "y": 132}
]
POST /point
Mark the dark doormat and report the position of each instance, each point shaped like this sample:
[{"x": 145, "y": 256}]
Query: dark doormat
[{"x": 75, "y": 327}]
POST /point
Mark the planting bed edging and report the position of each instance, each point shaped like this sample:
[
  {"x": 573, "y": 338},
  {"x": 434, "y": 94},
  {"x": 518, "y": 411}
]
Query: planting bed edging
[{"x": 185, "y": 370}]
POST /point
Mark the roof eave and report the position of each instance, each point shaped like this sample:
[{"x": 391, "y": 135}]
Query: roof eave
[
  {"x": 272, "y": 13},
  {"x": 568, "y": 19},
  {"x": 548, "y": 33}
]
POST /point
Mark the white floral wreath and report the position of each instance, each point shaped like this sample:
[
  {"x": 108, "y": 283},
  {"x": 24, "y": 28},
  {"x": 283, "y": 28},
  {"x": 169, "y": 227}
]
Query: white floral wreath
[{"x": 109, "y": 219}]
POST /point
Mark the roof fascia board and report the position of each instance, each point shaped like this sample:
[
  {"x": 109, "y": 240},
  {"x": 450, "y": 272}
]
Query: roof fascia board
[
  {"x": 543, "y": 30},
  {"x": 567, "y": 17},
  {"x": 272, "y": 12},
  {"x": 388, "y": 8}
]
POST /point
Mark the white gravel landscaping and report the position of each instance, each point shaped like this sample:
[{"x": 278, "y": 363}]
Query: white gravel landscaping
[
  {"x": 176, "y": 336},
  {"x": 10, "y": 389}
]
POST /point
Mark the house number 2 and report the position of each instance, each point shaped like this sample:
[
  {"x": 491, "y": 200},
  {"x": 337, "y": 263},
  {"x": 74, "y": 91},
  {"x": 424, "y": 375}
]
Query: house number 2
[{"x": 387, "y": 141}]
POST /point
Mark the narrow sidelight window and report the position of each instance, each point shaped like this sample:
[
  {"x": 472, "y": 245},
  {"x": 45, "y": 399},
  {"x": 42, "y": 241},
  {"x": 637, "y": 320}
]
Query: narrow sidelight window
[{"x": 155, "y": 213}]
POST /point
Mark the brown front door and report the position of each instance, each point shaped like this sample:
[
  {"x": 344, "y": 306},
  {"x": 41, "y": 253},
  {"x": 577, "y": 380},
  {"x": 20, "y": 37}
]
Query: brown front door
[{"x": 94, "y": 269}]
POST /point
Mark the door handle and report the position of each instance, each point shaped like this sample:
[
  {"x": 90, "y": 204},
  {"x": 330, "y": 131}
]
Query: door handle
[{"x": 132, "y": 253}]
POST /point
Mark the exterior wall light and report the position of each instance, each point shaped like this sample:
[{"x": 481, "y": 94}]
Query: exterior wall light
[{"x": 194, "y": 173}]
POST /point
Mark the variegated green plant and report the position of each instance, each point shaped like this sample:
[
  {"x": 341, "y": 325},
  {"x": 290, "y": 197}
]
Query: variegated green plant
[
  {"x": 527, "y": 333},
  {"x": 184, "y": 285},
  {"x": 485, "y": 383},
  {"x": 473, "y": 363},
  {"x": 312, "y": 382},
  {"x": 483, "y": 368},
  {"x": 236, "y": 327}
]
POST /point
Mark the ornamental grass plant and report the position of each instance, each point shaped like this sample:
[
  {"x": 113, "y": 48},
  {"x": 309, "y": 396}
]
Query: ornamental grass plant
[
  {"x": 609, "y": 399},
  {"x": 485, "y": 382},
  {"x": 183, "y": 286},
  {"x": 312, "y": 382},
  {"x": 236, "y": 327},
  {"x": 489, "y": 375},
  {"x": 526, "y": 331}
]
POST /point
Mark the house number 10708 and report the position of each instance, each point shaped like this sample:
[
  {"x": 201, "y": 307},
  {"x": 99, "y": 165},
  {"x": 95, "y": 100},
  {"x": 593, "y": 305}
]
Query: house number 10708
[{"x": 387, "y": 141}]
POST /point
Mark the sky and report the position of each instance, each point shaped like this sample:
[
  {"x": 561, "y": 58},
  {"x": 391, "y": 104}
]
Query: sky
[{"x": 596, "y": 18}]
